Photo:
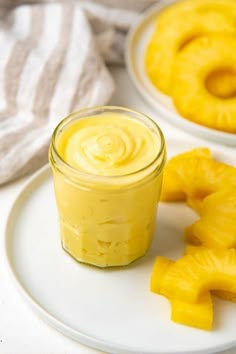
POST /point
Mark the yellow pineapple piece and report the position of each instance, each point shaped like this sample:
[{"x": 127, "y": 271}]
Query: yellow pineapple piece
[
  {"x": 194, "y": 274},
  {"x": 161, "y": 265},
  {"x": 216, "y": 227},
  {"x": 172, "y": 189},
  {"x": 225, "y": 295},
  {"x": 168, "y": 40},
  {"x": 199, "y": 315},
  {"x": 192, "y": 67},
  {"x": 194, "y": 175}
]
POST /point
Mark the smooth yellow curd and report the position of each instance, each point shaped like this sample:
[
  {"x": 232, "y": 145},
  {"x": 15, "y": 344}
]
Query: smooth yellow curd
[{"x": 107, "y": 165}]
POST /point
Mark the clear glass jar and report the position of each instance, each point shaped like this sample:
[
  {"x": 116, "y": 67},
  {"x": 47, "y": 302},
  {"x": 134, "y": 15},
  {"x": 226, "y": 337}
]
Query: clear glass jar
[{"x": 107, "y": 220}]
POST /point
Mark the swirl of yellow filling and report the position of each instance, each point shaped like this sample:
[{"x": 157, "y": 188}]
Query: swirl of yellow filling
[{"x": 108, "y": 145}]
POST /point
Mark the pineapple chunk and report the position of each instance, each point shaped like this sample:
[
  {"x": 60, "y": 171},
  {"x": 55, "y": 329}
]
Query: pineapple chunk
[
  {"x": 199, "y": 315},
  {"x": 194, "y": 274},
  {"x": 193, "y": 175},
  {"x": 216, "y": 227},
  {"x": 225, "y": 295},
  {"x": 160, "y": 267},
  {"x": 174, "y": 173}
]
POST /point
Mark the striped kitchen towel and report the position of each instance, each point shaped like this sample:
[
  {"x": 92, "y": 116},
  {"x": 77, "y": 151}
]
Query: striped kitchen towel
[
  {"x": 49, "y": 67},
  {"x": 51, "y": 64}
]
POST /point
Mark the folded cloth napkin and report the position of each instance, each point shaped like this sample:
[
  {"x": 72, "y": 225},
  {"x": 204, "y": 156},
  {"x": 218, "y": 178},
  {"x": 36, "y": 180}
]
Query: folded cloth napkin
[{"x": 51, "y": 64}]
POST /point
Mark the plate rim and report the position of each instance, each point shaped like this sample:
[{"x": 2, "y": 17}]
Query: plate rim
[
  {"x": 181, "y": 123},
  {"x": 85, "y": 339}
]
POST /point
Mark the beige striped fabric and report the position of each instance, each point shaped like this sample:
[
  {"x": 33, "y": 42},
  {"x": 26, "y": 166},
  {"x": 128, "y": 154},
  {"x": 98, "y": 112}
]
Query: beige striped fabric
[
  {"x": 51, "y": 64},
  {"x": 49, "y": 67}
]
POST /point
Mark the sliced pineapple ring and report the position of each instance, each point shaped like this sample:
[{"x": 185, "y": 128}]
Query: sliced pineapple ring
[
  {"x": 216, "y": 227},
  {"x": 194, "y": 175},
  {"x": 159, "y": 57},
  {"x": 191, "y": 70},
  {"x": 199, "y": 315},
  {"x": 194, "y": 274}
]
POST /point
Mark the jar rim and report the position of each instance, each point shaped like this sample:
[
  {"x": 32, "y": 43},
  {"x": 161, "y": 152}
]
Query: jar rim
[{"x": 103, "y": 109}]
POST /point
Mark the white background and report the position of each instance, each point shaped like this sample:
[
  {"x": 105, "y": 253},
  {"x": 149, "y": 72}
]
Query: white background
[{"x": 21, "y": 331}]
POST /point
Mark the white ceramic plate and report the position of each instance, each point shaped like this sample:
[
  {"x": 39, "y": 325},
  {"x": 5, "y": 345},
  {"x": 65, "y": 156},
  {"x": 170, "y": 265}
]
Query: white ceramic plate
[
  {"x": 111, "y": 310},
  {"x": 135, "y": 49}
]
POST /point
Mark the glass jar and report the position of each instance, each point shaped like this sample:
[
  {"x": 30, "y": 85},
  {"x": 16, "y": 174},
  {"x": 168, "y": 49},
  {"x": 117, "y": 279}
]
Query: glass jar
[{"x": 107, "y": 220}]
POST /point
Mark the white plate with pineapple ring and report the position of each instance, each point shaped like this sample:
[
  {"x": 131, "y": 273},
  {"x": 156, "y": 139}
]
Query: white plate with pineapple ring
[
  {"x": 136, "y": 44},
  {"x": 111, "y": 310}
]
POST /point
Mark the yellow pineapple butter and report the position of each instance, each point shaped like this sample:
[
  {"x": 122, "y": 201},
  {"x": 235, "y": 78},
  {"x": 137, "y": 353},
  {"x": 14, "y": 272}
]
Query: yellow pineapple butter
[{"x": 107, "y": 165}]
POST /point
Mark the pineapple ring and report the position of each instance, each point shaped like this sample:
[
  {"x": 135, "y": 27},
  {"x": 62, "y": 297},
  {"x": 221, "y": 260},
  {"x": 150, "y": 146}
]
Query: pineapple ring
[
  {"x": 168, "y": 40},
  {"x": 194, "y": 274},
  {"x": 193, "y": 175},
  {"x": 199, "y": 315},
  {"x": 216, "y": 227},
  {"x": 192, "y": 68}
]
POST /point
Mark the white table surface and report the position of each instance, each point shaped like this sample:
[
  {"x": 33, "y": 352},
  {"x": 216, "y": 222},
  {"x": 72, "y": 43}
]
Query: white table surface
[{"x": 21, "y": 331}]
